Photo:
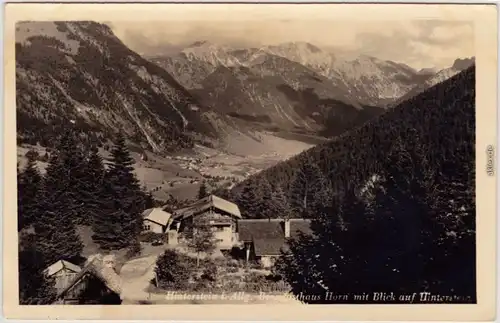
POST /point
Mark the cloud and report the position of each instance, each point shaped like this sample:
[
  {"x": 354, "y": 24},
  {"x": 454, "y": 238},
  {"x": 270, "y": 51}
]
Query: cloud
[
  {"x": 418, "y": 43},
  {"x": 421, "y": 43}
]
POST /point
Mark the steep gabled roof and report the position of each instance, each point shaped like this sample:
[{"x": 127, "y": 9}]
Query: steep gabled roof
[
  {"x": 157, "y": 215},
  {"x": 205, "y": 204},
  {"x": 60, "y": 265}
]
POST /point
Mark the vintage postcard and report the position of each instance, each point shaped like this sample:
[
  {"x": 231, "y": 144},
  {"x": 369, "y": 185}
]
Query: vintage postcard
[{"x": 205, "y": 161}]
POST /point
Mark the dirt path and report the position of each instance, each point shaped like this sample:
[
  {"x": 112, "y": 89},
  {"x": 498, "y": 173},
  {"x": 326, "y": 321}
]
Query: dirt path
[{"x": 136, "y": 275}]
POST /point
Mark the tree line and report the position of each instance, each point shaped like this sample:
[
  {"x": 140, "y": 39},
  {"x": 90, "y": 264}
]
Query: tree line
[{"x": 78, "y": 188}]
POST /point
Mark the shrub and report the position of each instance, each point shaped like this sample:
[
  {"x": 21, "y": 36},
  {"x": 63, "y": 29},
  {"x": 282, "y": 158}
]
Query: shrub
[
  {"x": 174, "y": 270},
  {"x": 233, "y": 263},
  {"x": 151, "y": 236},
  {"x": 133, "y": 250},
  {"x": 210, "y": 272},
  {"x": 33, "y": 154}
]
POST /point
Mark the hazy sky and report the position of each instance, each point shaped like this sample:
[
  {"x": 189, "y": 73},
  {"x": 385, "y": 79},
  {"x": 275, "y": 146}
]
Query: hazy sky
[{"x": 418, "y": 43}]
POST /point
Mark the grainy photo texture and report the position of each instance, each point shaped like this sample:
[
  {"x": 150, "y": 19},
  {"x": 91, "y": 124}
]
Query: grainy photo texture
[{"x": 246, "y": 163}]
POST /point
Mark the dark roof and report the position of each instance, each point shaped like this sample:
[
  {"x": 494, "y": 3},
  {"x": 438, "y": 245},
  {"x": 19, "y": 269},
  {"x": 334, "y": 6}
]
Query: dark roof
[
  {"x": 300, "y": 225},
  {"x": 255, "y": 229},
  {"x": 268, "y": 247}
]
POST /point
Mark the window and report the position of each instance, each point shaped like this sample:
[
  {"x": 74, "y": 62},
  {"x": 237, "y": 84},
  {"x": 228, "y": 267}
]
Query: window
[{"x": 146, "y": 227}]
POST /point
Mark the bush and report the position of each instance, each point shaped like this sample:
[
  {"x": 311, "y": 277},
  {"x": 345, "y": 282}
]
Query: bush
[
  {"x": 133, "y": 250},
  {"x": 174, "y": 270},
  {"x": 233, "y": 263},
  {"x": 151, "y": 236},
  {"x": 32, "y": 154},
  {"x": 210, "y": 273}
]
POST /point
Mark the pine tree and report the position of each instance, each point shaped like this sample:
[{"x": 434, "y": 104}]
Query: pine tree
[
  {"x": 249, "y": 200},
  {"x": 35, "y": 288},
  {"x": 279, "y": 207},
  {"x": 308, "y": 188},
  {"x": 92, "y": 189},
  {"x": 28, "y": 189},
  {"x": 59, "y": 205},
  {"x": 265, "y": 205},
  {"x": 120, "y": 223}
]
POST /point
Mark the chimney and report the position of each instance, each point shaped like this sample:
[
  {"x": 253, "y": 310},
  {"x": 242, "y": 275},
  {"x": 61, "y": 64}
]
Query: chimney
[{"x": 287, "y": 228}]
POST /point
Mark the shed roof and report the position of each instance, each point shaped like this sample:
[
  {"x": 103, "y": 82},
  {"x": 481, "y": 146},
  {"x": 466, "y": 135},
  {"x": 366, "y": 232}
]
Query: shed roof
[
  {"x": 157, "y": 215},
  {"x": 60, "y": 265},
  {"x": 298, "y": 226},
  {"x": 253, "y": 229},
  {"x": 205, "y": 204}
]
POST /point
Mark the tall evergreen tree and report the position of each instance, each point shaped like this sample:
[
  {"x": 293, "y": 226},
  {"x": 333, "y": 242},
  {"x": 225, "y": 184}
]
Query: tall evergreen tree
[
  {"x": 279, "y": 204},
  {"x": 120, "y": 224},
  {"x": 60, "y": 206},
  {"x": 29, "y": 181},
  {"x": 92, "y": 189},
  {"x": 35, "y": 288},
  {"x": 265, "y": 205},
  {"x": 308, "y": 188},
  {"x": 249, "y": 200}
]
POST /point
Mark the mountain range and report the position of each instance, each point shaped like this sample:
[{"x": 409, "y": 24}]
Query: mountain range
[
  {"x": 80, "y": 73},
  {"x": 297, "y": 86}
]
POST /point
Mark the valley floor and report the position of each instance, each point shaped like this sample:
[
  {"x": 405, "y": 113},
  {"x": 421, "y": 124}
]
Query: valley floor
[{"x": 180, "y": 175}]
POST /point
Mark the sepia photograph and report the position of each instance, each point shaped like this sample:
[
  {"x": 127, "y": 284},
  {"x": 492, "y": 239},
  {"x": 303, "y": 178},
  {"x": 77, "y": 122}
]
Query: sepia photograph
[{"x": 247, "y": 159}]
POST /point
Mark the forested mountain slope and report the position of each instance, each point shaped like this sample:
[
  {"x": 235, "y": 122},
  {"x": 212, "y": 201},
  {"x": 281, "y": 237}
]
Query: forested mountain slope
[
  {"x": 81, "y": 73},
  {"x": 441, "y": 120}
]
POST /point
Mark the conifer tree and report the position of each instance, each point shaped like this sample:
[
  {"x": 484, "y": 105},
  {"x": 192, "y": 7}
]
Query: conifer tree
[
  {"x": 249, "y": 201},
  {"x": 92, "y": 189},
  {"x": 279, "y": 207},
  {"x": 28, "y": 189},
  {"x": 120, "y": 224},
  {"x": 59, "y": 205},
  {"x": 35, "y": 288},
  {"x": 265, "y": 205},
  {"x": 309, "y": 186}
]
